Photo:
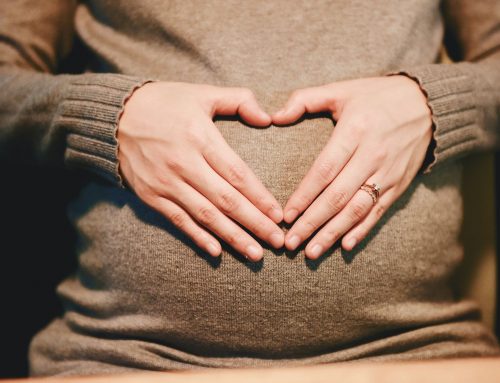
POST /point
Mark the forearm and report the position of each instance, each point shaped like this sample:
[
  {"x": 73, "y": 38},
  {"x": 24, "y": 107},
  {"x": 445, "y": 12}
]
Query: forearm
[
  {"x": 52, "y": 118},
  {"x": 464, "y": 96},
  {"x": 63, "y": 119},
  {"x": 465, "y": 101}
]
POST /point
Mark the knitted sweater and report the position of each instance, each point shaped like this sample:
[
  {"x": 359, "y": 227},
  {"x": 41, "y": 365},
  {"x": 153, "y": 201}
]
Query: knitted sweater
[{"x": 144, "y": 297}]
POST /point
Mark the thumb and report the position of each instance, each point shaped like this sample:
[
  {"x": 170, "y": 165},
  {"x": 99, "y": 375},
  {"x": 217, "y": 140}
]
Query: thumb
[
  {"x": 241, "y": 101},
  {"x": 306, "y": 100}
]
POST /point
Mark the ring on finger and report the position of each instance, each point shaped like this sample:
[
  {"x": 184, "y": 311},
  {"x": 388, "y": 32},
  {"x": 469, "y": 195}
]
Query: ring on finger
[{"x": 373, "y": 190}]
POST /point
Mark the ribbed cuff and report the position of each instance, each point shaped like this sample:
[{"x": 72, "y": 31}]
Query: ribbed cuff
[
  {"x": 450, "y": 97},
  {"x": 89, "y": 115}
]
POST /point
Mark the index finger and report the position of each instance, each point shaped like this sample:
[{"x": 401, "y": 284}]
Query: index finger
[
  {"x": 222, "y": 158},
  {"x": 332, "y": 159}
]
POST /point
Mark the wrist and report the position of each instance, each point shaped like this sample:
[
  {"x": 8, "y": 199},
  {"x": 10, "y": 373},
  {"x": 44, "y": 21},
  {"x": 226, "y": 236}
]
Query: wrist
[
  {"x": 121, "y": 127},
  {"x": 429, "y": 157}
]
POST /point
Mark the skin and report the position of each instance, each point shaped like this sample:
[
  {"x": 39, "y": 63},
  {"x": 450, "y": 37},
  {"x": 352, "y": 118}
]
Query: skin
[
  {"x": 176, "y": 160},
  {"x": 382, "y": 132},
  {"x": 458, "y": 370}
]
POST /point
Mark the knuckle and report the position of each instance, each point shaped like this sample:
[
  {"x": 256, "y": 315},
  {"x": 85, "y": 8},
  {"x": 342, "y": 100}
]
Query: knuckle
[
  {"x": 144, "y": 191},
  {"x": 331, "y": 235},
  {"x": 206, "y": 216},
  {"x": 195, "y": 136},
  {"x": 337, "y": 200},
  {"x": 209, "y": 146},
  {"x": 178, "y": 220},
  {"x": 259, "y": 227},
  {"x": 164, "y": 180},
  {"x": 234, "y": 238},
  {"x": 262, "y": 201},
  {"x": 359, "y": 124},
  {"x": 326, "y": 171},
  {"x": 236, "y": 174},
  {"x": 380, "y": 154},
  {"x": 154, "y": 202},
  {"x": 174, "y": 164},
  {"x": 310, "y": 226},
  {"x": 379, "y": 210},
  {"x": 227, "y": 202},
  {"x": 344, "y": 148},
  {"x": 303, "y": 200},
  {"x": 358, "y": 210},
  {"x": 148, "y": 193}
]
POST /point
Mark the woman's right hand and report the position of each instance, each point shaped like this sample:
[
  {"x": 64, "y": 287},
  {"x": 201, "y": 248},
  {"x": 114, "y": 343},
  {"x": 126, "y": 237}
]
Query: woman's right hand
[{"x": 175, "y": 159}]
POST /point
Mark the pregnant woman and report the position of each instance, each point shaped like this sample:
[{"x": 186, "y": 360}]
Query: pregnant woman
[{"x": 270, "y": 182}]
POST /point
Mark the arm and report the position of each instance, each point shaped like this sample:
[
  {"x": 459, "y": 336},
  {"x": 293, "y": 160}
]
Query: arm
[
  {"x": 464, "y": 96},
  {"x": 58, "y": 120},
  {"x": 75, "y": 120}
]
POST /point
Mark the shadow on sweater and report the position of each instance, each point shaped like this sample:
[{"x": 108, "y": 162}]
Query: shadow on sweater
[{"x": 103, "y": 192}]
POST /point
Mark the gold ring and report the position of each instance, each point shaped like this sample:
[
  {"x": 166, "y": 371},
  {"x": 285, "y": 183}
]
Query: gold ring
[{"x": 373, "y": 190}]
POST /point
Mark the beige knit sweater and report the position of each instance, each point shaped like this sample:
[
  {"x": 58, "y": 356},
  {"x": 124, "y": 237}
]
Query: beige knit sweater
[{"x": 144, "y": 297}]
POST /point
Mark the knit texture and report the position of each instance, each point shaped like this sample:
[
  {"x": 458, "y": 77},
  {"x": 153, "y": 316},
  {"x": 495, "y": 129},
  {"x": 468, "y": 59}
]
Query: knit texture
[
  {"x": 456, "y": 112},
  {"x": 89, "y": 114},
  {"x": 144, "y": 297}
]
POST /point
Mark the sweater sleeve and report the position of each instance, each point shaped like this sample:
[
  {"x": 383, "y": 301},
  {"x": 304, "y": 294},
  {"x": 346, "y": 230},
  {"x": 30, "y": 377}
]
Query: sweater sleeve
[
  {"x": 49, "y": 118},
  {"x": 464, "y": 96}
]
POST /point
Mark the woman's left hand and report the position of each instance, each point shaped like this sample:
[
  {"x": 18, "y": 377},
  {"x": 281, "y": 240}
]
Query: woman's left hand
[{"x": 382, "y": 133}]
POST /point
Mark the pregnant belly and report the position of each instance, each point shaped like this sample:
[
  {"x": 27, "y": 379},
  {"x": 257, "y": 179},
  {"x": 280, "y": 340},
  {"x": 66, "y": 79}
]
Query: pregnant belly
[{"x": 139, "y": 277}]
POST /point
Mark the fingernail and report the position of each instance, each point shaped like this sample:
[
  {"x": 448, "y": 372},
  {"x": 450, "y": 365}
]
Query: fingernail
[
  {"x": 280, "y": 113},
  {"x": 276, "y": 215},
  {"x": 316, "y": 250},
  {"x": 293, "y": 242},
  {"x": 290, "y": 215},
  {"x": 213, "y": 249},
  {"x": 254, "y": 252},
  {"x": 351, "y": 242},
  {"x": 265, "y": 116},
  {"x": 277, "y": 239}
]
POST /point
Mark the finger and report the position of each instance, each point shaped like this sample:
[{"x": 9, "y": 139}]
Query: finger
[
  {"x": 203, "y": 211},
  {"x": 325, "y": 168},
  {"x": 222, "y": 158},
  {"x": 306, "y": 100},
  {"x": 242, "y": 101},
  {"x": 361, "y": 229},
  {"x": 233, "y": 204},
  {"x": 180, "y": 219},
  {"x": 333, "y": 199},
  {"x": 355, "y": 210}
]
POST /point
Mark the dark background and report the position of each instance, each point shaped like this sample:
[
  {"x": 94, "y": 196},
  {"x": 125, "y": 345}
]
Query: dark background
[
  {"x": 36, "y": 254},
  {"x": 497, "y": 236},
  {"x": 37, "y": 240}
]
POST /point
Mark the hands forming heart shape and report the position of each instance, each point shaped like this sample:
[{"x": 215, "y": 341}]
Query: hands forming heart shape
[{"x": 175, "y": 159}]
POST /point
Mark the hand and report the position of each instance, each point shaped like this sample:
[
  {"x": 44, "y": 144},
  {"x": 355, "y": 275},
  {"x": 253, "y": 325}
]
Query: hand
[
  {"x": 382, "y": 133},
  {"x": 175, "y": 159}
]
